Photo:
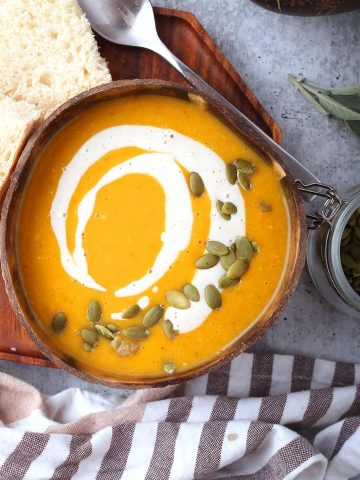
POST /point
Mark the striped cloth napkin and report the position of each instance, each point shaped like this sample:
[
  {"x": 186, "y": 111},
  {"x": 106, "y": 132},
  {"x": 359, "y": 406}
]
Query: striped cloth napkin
[{"x": 261, "y": 417}]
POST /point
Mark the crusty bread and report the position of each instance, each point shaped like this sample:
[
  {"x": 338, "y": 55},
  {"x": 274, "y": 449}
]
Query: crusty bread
[
  {"x": 48, "y": 54},
  {"x": 17, "y": 119}
]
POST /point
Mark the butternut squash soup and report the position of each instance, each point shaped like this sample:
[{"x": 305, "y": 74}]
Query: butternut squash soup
[{"x": 150, "y": 236}]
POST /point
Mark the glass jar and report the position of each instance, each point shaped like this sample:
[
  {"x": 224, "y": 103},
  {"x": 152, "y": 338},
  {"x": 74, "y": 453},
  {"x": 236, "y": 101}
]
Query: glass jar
[{"x": 323, "y": 256}]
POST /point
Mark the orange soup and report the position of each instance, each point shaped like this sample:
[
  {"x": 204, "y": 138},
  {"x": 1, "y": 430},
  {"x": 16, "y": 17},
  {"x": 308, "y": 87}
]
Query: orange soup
[{"x": 150, "y": 236}]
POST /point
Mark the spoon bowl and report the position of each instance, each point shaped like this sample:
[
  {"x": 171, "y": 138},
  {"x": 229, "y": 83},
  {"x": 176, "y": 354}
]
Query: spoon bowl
[{"x": 125, "y": 22}]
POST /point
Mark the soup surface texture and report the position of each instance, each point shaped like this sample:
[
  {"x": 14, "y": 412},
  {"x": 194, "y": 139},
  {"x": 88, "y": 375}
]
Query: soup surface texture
[{"x": 112, "y": 215}]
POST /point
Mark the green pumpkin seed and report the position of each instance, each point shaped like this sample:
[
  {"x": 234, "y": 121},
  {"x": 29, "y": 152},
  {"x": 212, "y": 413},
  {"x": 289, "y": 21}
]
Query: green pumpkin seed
[
  {"x": 226, "y": 282},
  {"x": 89, "y": 336},
  {"x": 229, "y": 208},
  {"x": 168, "y": 328},
  {"x": 113, "y": 328},
  {"x": 347, "y": 260},
  {"x": 94, "y": 311},
  {"x": 87, "y": 347},
  {"x": 355, "y": 252},
  {"x": 169, "y": 368},
  {"x": 231, "y": 172},
  {"x": 216, "y": 248},
  {"x": 207, "y": 261},
  {"x": 244, "y": 166},
  {"x": 238, "y": 269},
  {"x": 136, "y": 332},
  {"x": 105, "y": 332},
  {"x": 357, "y": 232},
  {"x": 352, "y": 220},
  {"x": 130, "y": 312},
  {"x": 244, "y": 248},
  {"x": 356, "y": 271},
  {"x": 243, "y": 180},
  {"x": 219, "y": 205},
  {"x": 191, "y": 292},
  {"x": 265, "y": 207},
  {"x": 213, "y": 297},
  {"x": 153, "y": 315},
  {"x": 196, "y": 184},
  {"x": 228, "y": 259},
  {"x": 177, "y": 299},
  {"x": 124, "y": 348},
  {"x": 345, "y": 241},
  {"x": 346, "y": 233},
  {"x": 59, "y": 322},
  {"x": 255, "y": 246}
]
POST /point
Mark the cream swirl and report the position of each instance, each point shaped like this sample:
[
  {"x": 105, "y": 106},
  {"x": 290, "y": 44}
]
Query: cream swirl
[{"x": 167, "y": 150}]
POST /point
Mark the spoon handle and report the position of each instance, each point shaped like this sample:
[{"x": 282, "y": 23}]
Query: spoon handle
[{"x": 298, "y": 170}]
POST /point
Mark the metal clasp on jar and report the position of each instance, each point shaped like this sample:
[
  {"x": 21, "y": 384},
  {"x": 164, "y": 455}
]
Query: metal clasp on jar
[{"x": 330, "y": 207}]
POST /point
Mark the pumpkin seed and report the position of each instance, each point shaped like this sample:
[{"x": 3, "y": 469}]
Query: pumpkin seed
[
  {"x": 231, "y": 172},
  {"x": 226, "y": 282},
  {"x": 196, "y": 184},
  {"x": 130, "y": 312},
  {"x": 153, "y": 315},
  {"x": 355, "y": 252},
  {"x": 207, "y": 261},
  {"x": 191, "y": 292},
  {"x": 105, "y": 332},
  {"x": 124, "y": 348},
  {"x": 94, "y": 311},
  {"x": 229, "y": 208},
  {"x": 356, "y": 271},
  {"x": 219, "y": 205},
  {"x": 347, "y": 260},
  {"x": 265, "y": 207},
  {"x": 168, "y": 328},
  {"x": 243, "y": 180},
  {"x": 352, "y": 220},
  {"x": 244, "y": 166},
  {"x": 228, "y": 259},
  {"x": 216, "y": 248},
  {"x": 169, "y": 368},
  {"x": 213, "y": 297},
  {"x": 59, "y": 322},
  {"x": 89, "y": 336},
  {"x": 113, "y": 328},
  {"x": 136, "y": 332},
  {"x": 357, "y": 232},
  {"x": 256, "y": 246},
  {"x": 244, "y": 248},
  {"x": 87, "y": 347},
  {"x": 177, "y": 299},
  {"x": 238, "y": 268},
  {"x": 346, "y": 233}
]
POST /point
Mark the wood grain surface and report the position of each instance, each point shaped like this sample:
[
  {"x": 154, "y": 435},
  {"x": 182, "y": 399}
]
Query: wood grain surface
[{"x": 186, "y": 37}]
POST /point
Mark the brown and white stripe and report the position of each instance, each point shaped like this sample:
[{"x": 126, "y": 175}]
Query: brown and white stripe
[{"x": 243, "y": 421}]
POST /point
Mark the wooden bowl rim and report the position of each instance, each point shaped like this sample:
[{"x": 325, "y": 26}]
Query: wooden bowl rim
[{"x": 239, "y": 345}]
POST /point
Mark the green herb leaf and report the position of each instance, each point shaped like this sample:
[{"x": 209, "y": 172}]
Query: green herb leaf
[
  {"x": 301, "y": 87},
  {"x": 351, "y": 90},
  {"x": 337, "y": 109},
  {"x": 354, "y": 128},
  {"x": 350, "y": 101},
  {"x": 343, "y": 103}
]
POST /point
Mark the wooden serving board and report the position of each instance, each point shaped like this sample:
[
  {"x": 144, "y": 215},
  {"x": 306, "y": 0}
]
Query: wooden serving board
[{"x": 186, "y": 37}]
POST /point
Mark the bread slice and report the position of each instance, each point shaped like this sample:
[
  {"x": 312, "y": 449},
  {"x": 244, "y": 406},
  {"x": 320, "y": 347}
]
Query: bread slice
[
  {"x": 17, "y": 120},
  {"x": 48, "y": 53}
]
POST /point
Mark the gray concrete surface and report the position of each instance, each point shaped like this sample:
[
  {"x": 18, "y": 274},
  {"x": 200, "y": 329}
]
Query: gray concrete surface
[{"x": 264, "y": 48}]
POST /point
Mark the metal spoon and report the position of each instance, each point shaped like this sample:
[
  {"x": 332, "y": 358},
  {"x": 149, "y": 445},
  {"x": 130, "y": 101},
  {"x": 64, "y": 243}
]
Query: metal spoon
[{"x": 132, "y": 23}]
